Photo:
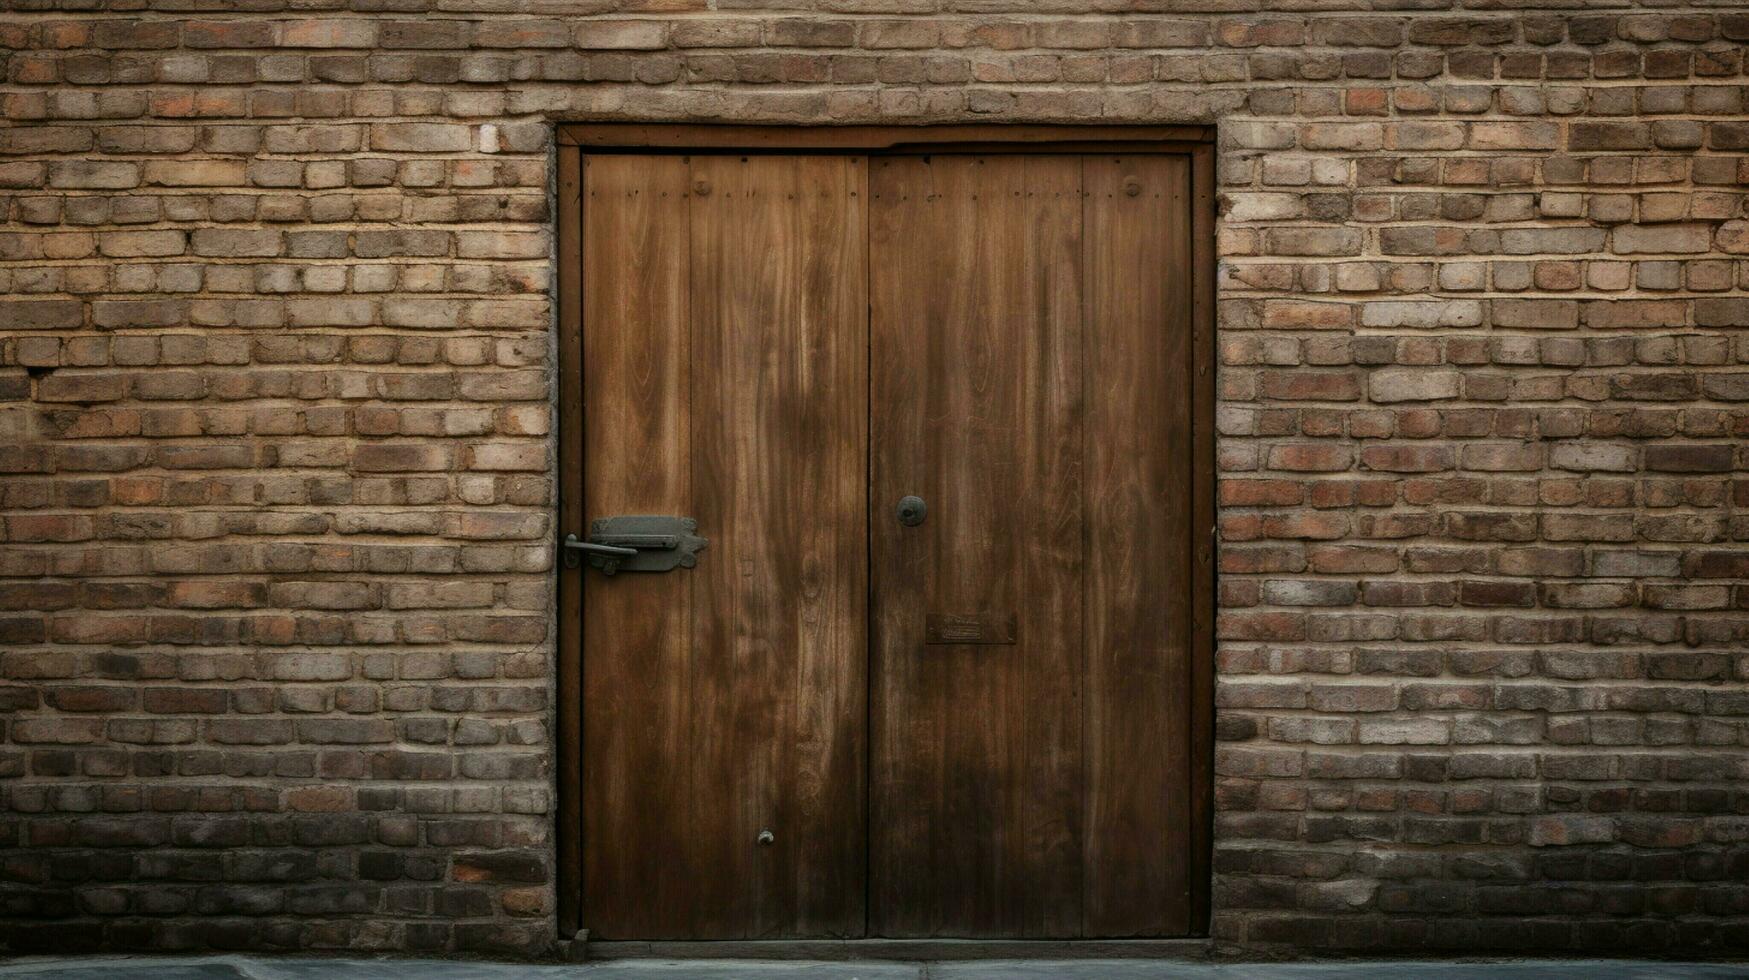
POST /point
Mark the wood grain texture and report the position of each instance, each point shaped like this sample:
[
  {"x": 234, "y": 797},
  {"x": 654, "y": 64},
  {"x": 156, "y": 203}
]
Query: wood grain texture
[
  {"x": 975, "y": 337},
  {"x": 780, "y": 634},
  {"x": 725, "y": 366},
  {"x": 640, "y": 849},
  {"x": 1031, "y": 346},
  {"x": 1139, "y": 464}
]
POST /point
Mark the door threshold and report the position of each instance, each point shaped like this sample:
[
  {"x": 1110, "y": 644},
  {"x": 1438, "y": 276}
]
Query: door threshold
[{"x": 1188, "y": 950}]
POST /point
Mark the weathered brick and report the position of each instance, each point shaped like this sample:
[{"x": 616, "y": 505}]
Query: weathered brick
[
  {"x": 1422, "y": 315},
  {"x": 420, "y": 137},
  {"x": 40, "y": 314},
  {"x": 94, "y": 174},
  {"x": 352, "y": 33},
  {"x": 1406, "y": 384},
  {"x": 1546, "y": 314},
  {"x": 623, "y": 35},
  {"x": 1631, "y": 239},
  {"x": 1408, "y": 459},
  {"x": 1710, "y": 311},
  {"x": 1610, "y": 314},
  {"x": 142, "y": 244},
  {"x": 230, "y": 242},
  {"x": 402, "y": 457},
  {"x": 227, "y": 34},
  {"x": 195, "y": 173},
  {"x": 23, "y": 175},
  {"x": 1590, "y": 457},
  {"x": 1689, "y": 459},
  {"x": 1310, "y": 457}
]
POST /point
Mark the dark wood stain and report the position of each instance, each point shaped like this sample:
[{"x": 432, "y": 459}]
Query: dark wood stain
[
  {"x": 975, "y": 333},
  {"x": 724, "y": 359},
  {"x": 725, "y": 364},
  {"x": 1138, "y": 544},
  {"x": 642, "y": 848},
  {"x": 779, "y": 630}
]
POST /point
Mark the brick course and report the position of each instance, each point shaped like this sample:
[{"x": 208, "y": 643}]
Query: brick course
[{"x": 275, "y": 378}]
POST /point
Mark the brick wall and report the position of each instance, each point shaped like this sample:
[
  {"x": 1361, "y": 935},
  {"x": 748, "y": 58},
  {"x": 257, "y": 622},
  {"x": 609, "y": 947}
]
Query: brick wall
[{"x": 275, "y": 649}]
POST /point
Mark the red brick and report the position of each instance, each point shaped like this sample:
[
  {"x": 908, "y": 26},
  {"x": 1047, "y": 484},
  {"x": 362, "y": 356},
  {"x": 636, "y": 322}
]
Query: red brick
[
  {"x": 1260, "y": 493},
  {"x": 1310, "y": 457}
]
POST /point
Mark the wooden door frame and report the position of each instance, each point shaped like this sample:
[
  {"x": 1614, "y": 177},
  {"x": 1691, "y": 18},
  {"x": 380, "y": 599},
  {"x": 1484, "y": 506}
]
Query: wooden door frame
[{"x": 574, "y": 140}]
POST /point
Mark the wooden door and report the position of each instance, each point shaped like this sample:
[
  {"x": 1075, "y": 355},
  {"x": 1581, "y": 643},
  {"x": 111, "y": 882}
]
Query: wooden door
[
  {"x": 724, "y": 370},
  {"x": 1030, "y": 670},
  {"x": 979, "y": 725}
]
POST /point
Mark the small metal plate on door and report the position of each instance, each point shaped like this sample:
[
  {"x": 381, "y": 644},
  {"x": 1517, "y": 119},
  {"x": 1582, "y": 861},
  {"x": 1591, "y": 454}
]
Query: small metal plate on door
[{"x": 951, "y": 628}]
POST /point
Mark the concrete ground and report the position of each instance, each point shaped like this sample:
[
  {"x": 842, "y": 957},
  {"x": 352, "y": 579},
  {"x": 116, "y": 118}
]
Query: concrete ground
[{"x": 255, "y": 968}]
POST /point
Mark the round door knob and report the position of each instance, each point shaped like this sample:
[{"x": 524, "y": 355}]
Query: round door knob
[
  {"x": 912, "y": 510},
  {"x": 766, "y": 838}
]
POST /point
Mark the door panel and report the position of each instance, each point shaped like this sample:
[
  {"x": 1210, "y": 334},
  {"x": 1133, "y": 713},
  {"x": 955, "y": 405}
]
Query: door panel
[
  {"x": 725, "y": 378},
  {"x": 976, "y": 335},
  {"x": 1030, "y": 360},
  {"x": 1139, "y": 462},
  {"x": 637, "y": 460}
]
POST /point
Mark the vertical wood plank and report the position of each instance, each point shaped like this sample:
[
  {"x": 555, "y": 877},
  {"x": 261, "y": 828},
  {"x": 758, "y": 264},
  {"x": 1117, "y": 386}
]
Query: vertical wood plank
[
  {"x": 640, "y": 858},
  {"x": 779, "y": 319},
  {"x": 570, "y": 581},
  {"x": 975, "y": 393},
  {"x": 905, "y": 236},
  {"x": 1139, "y": 464},
  {"x": 1052, "y": 614}
]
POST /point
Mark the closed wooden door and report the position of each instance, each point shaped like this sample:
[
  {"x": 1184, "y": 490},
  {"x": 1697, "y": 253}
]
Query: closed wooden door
[
  {"x": 725, "y": 379},
  {"x": 1029, "y": 680},
  {"x": 846, "y": 720}
]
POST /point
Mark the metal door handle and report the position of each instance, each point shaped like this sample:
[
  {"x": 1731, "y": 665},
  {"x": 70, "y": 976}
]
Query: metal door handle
[
  {"x": 572, "y": 541},
  {"x": 644, "y": 543},
  {"x": 912, "y": 510}
]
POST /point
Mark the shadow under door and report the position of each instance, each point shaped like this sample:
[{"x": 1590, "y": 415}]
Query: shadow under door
[{"x": 932, "y": 674}]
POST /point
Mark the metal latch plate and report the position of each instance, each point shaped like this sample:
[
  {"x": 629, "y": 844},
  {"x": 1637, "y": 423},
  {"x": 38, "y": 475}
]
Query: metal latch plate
[{"x": 662, "y": 543}]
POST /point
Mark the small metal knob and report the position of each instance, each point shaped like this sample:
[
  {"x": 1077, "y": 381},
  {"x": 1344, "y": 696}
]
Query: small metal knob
[
  {"x": 766, "y": 838},
  {"x": 912, "y": 510}
]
